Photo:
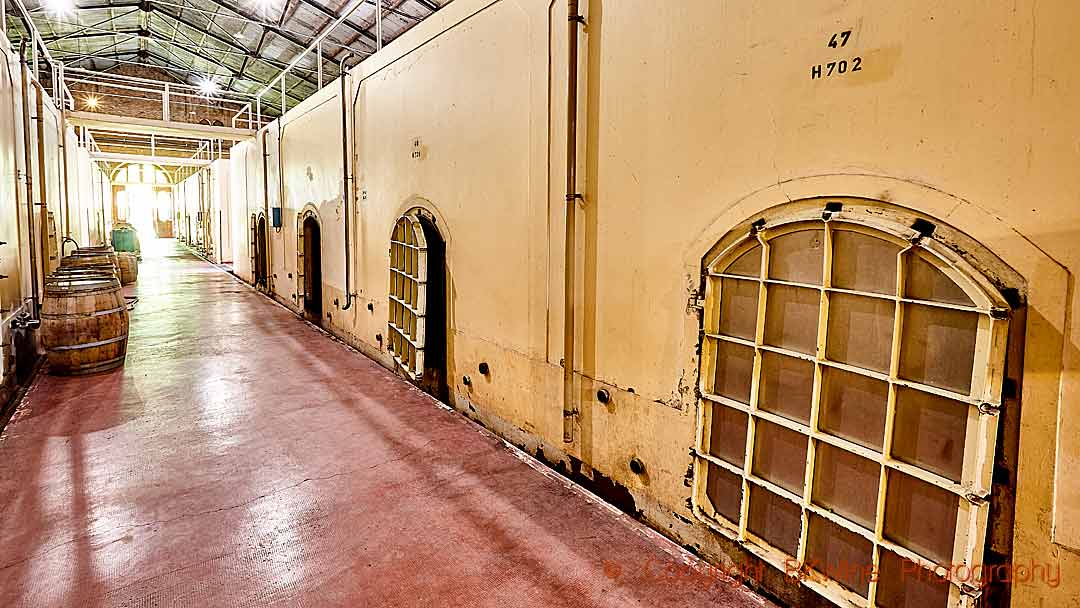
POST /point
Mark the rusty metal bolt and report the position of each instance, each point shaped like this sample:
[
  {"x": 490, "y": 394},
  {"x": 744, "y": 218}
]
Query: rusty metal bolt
[
  {"x": 603, "y": 396},
  {"x": 637, "y": 466}
]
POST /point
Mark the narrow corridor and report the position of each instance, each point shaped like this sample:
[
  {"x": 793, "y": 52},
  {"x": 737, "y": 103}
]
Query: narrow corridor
[{"x": 243, "y": 458}]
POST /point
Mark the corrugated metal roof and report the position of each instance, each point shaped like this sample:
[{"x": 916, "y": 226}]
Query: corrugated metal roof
[{"x": 241, "y": 44}]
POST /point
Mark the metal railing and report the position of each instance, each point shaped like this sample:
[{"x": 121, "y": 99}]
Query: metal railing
[
  {"x": 253, "y": 111},
  {"x": 168, "y": 94},
  {"x": 249, "y": 112},
  {"x": 39, "y": 52}
]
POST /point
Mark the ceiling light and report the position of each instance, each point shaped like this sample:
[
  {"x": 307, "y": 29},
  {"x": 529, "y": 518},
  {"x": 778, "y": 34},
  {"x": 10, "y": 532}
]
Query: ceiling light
[
  {"x": 60, "y": 7},
  {"x": 263, "y": 6},
  {"x": 208, "y": 87},
  {"x": 92, "y": 102}
]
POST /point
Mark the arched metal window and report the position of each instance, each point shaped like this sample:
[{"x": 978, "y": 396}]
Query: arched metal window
[
  {"x": 408, "y": 295},
  {"x": 851, "y": 382},
  {"x": 301, "y": 218}
]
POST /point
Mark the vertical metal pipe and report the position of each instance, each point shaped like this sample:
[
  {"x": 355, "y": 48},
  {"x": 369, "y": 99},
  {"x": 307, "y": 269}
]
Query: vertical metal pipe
[
  {"x": 318, "y": 60},
  {"x": 378, "y": 25},
  {"x": 28, "y": 168},
  {"x": 346, "y": 177},
  {"x": 570, "y": 238},
  {"x": 266, "y": 213},
  {"x": 165, "y": 113},
  {"x": 64, "y": 164},
  {"x": 43, "y": 187}
]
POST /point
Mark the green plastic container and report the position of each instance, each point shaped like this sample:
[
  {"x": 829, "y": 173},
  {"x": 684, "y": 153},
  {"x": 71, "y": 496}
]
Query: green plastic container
[{"x": 124, "y": 238}]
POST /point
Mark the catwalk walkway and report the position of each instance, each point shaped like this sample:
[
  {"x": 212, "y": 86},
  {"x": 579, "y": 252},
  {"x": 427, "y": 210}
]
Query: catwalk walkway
[{"x": 243, "y": 458}]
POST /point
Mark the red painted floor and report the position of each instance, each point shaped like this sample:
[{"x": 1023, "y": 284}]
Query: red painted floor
[{"x": 242, "y": 458}]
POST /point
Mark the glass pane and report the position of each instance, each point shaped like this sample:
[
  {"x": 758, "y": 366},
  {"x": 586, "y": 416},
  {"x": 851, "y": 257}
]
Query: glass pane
[
  {"x": 780, "y": 456},
  {"x": 787, "y": 386},
  {"x": 791, "y": 318},
  {"x": 903, "y": 584},
  {"x": 734, "y": 370},
  {"x": 727, "y": 435},
  {"x": 724, "y": 490},
  {"x": 775, "y": 519},
  {"x": 938, "y": 346},
  {"x": 738, "y": 308},
  {"x": 863, "y": 263},
  {"x": 930, "y": 432},
  {"x": 846, "y": 484},
  {"x": 797, "y": 256},
  {"x": 747, "y": 264},
  {"x": 840, "y": 554},
  {"x": 921, "y": 517},
  {"x": 860, "y": 331},
  {"x": 853, "y": 407},
  {"x": 925, "y": 281}
]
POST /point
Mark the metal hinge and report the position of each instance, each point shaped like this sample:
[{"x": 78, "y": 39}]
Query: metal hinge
[{"x": 971, "y": 591}]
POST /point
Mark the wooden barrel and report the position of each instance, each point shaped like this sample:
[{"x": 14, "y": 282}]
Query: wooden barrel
[
  {"x": 83, "y": 260},
  {"x": 84, "y": 324},
  {"x": 82, "y": 273},
  {"x": 129, "y": 268},
  {"x": 99, "y": 250},
  {"x": 106, "y": 269}
]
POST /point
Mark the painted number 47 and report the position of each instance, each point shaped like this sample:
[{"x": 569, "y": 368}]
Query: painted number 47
[{"x": 839, "y": 39}]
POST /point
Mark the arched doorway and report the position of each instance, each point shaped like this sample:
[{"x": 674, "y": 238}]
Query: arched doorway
[
  {"x": 417, "y": 309},
  {"x": 259, "y": 265},
  {"x": 309, "y": 267},
  {"x": 852, "y": 395}
]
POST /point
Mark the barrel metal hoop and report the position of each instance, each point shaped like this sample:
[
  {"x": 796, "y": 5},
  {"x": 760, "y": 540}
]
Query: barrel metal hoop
[
  {"x": 81, "y": 315},
  {"x": 101, "y": 366},
  {"x": 89, "y": 344}
]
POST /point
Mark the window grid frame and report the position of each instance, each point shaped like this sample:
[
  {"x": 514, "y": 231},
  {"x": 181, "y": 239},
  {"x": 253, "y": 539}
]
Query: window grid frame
[
  {"x": 983, "y": 402},
  {"x": 301, "y": 252},
  {"x": 408, "y": 270}
]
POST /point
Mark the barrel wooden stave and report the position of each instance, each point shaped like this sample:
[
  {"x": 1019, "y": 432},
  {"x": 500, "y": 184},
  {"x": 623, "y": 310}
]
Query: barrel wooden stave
[
  {"x": 84, "y": 324},
  {"x": 129, "y": 268}
]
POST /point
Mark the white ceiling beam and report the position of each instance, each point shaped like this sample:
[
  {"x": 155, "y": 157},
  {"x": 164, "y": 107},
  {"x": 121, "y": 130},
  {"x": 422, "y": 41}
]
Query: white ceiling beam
[
  {"x": 117, "y": 157},
  {"x": 127, "y": 124}
]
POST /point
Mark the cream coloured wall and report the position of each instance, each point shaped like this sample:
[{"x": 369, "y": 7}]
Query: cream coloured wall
[
  {"x": 221, "y": 220},
  {"x": 15, "y": 225},
  {"x": 12, "y": 190},
  {"x": 237, "y": 203},
  {"x": 691, "y": 124}
]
